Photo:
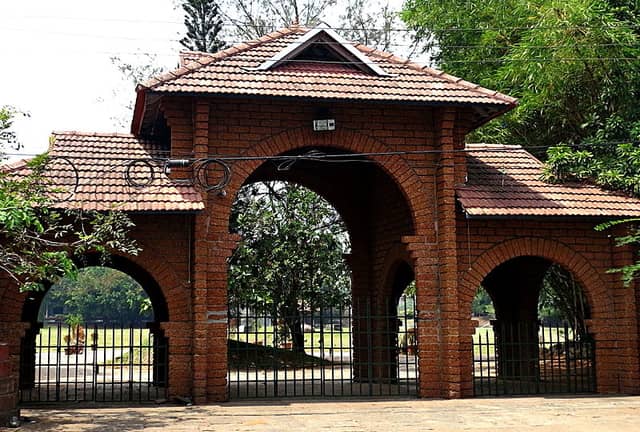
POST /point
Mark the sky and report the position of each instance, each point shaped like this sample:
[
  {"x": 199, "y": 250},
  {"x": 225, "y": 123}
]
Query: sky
[{"x": 56, "y": 61}]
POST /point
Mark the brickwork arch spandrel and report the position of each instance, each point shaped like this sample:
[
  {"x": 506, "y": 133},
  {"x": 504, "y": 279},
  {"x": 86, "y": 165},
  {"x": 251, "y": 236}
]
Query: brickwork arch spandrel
[
  {"x": 12, "y": 300},
  {"x": 595, "y": 288},
  {"x": 172, "y": 289},
  {"x": 395, "y": 166}
]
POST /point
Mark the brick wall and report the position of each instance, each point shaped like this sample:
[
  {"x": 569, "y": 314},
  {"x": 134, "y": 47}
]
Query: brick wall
[
  {"x": 484, "y": 244},
  {"x": 396, "y": 207}
]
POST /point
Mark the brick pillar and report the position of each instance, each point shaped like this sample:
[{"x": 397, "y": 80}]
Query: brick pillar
[
  {"x": 360, "y": 273},
  {"x": 179, "y": 342},
  {"x": 203, "y": 252},
  {"x": 8, "y": 388},
  {"x": 450, "y": 317},
  {"x": 624, "y": 359},
  {"x": 421, "y": 249},
  {"x": 11, "y": 334}
]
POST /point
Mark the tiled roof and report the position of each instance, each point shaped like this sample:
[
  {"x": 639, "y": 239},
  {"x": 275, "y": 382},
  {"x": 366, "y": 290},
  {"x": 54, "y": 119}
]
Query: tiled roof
[
  {"x": 101, "y": 161},
  {"x": 233, "y": 72},
  {"x": 505, "y": 181}
]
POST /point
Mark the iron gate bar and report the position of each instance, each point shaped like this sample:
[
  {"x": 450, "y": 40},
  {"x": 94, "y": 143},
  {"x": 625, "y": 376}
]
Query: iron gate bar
[
  {"x": 79, "y": 363},
  {"x": 521, "y": 358},
  {"x": 341, "y": 351}
]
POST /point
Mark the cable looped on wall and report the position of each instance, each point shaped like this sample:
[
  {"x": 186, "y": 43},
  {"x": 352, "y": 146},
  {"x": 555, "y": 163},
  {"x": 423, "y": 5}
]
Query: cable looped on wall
[
  {"x": 66, "y": 185},
  {"x": 201, "y": 174},
  {"x": 132, "y": 173},
  {"x": 141, "y": 173}
]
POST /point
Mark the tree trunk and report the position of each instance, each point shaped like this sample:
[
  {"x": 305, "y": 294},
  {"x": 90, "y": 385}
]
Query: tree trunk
[{"x": 294, "y": 323}]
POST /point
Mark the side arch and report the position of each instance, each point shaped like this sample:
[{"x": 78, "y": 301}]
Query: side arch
[
  {"x": 398, "y": 270},
  {"x": 595, "y": 288}
]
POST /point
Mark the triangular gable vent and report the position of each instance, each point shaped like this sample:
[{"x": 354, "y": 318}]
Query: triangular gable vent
[{"x": 323, "y": 45}]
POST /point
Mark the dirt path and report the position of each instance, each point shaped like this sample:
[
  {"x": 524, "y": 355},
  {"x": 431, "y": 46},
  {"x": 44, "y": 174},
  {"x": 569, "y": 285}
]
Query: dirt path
[{"x": 553, "y": 414}]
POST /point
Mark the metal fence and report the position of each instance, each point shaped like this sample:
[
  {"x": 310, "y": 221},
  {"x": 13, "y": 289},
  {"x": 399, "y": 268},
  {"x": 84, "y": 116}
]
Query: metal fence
[
  {"x": 93, "y": 362},
  {"x": 358, "y": 350},
  {"x": 525, "y": 358}
]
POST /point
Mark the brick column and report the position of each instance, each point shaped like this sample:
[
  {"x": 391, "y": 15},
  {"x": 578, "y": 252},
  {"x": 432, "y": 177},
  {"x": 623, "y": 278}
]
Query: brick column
[
  {"x": 422, "y": 250},
  {"x": 624, "y": 357},
  {"x": 203, "y": 252},
  {"x": 179, "y": 341},
  {"x": 450, "y": 317},
  {"x": 11, "y": 334},
  {"x": 8, "y": 388}
]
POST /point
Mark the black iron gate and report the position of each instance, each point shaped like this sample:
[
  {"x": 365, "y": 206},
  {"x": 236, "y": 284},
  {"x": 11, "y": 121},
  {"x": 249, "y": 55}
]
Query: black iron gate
[
  {"x": 93, "y": 362},
  {"x": 357, "y": 350},
  {"x": 526, "y": 358}
]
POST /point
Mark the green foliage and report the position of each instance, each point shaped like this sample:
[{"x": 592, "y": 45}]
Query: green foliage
[
  {"x": 7, "y": 136},
  {"x": 482, "y": 304},
  {"x": 203, "y": 22},
  {"x": 74, "y": 320},
  {"x": 98, "y": 293},
  {"x": 572, "y": 64},
  {"x": 291, "y": 254},
  {"x": 616, "y": 167},
  {"x": 40, "y": 240},
  {"x": 291, "y": 251},
  {"x": 632, "y": 271}
]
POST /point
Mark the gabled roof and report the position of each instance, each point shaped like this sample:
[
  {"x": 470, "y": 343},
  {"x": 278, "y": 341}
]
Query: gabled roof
[
  {"x": 272, "y": 67},
  {"x": 334, "y": 46},
  {"x": 505, "y": 181},
  {"x": 101, "y": 162}
]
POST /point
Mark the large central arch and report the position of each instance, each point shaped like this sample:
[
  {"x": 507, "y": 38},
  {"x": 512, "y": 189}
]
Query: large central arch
[{"x": 381, "y": 201}]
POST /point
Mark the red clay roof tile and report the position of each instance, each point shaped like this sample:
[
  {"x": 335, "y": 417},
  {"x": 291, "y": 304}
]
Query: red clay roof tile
[
  {"x": 505, "y": 181},
  {"x": 101, "y": 162},
  {"x": 233, "y": 71}
]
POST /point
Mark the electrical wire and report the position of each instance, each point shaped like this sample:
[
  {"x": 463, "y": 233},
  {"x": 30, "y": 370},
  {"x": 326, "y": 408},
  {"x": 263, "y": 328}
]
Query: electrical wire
[
  {"x": 329, "y": 43},
  {"x": 488, "y": 147},
  {"x": 143, "y": 172},
  {"x": 274, "y": 25}
]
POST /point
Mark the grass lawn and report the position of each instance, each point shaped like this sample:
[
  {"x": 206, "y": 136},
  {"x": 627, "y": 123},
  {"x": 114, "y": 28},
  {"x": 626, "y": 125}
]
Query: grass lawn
[
  {"x": 266, "y": 336},
  {"x": 115, "y": 338}
]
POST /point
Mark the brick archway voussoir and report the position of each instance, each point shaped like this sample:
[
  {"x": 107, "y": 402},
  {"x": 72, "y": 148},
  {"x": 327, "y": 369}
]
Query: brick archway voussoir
[
  {"x": 397, "y": 168},
  {"x": 557, "y": 252}
]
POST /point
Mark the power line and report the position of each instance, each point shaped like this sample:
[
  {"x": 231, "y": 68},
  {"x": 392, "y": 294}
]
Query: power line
[
  {"x": 275, "y": 26},
  {"x": 330, "y": 43},
  {"x": 481, "y": 147}
]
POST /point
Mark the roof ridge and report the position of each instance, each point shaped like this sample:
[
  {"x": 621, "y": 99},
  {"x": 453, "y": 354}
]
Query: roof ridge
[
  {"x": 220, "y": 55},
  {"x": 96, "y": 134},
  {"x": 14, "y": 165},
  {"x": 435, "y": 72},
  {"x": 494, "y": 145}
]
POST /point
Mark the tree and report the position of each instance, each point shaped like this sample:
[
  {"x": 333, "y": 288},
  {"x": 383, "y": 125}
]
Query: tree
[
  {"x": 38, "y": 239},
  {"x": 574, "y": 66},
  {"x": 562, "y": 298},
  {"x": 291, "y": 254},
  {"x": 378, "y": 29},
  {"x": 99, "y": 293},
  {"x": 482, "y": 304},
  {"x": 7, "y": 136},
  {"x": 142, "y": 68},
  {"x": 204, "y": 23},
  {"x": 254, "y": 18}
]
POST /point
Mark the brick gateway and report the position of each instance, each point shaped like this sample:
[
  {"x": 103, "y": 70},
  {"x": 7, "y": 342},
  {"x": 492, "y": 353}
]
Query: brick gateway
[{"x": 418, "y": 203}]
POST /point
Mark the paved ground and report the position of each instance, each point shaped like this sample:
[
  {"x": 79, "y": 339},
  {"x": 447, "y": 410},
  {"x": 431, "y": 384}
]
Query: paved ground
[{"x": 557, "y": 414}]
